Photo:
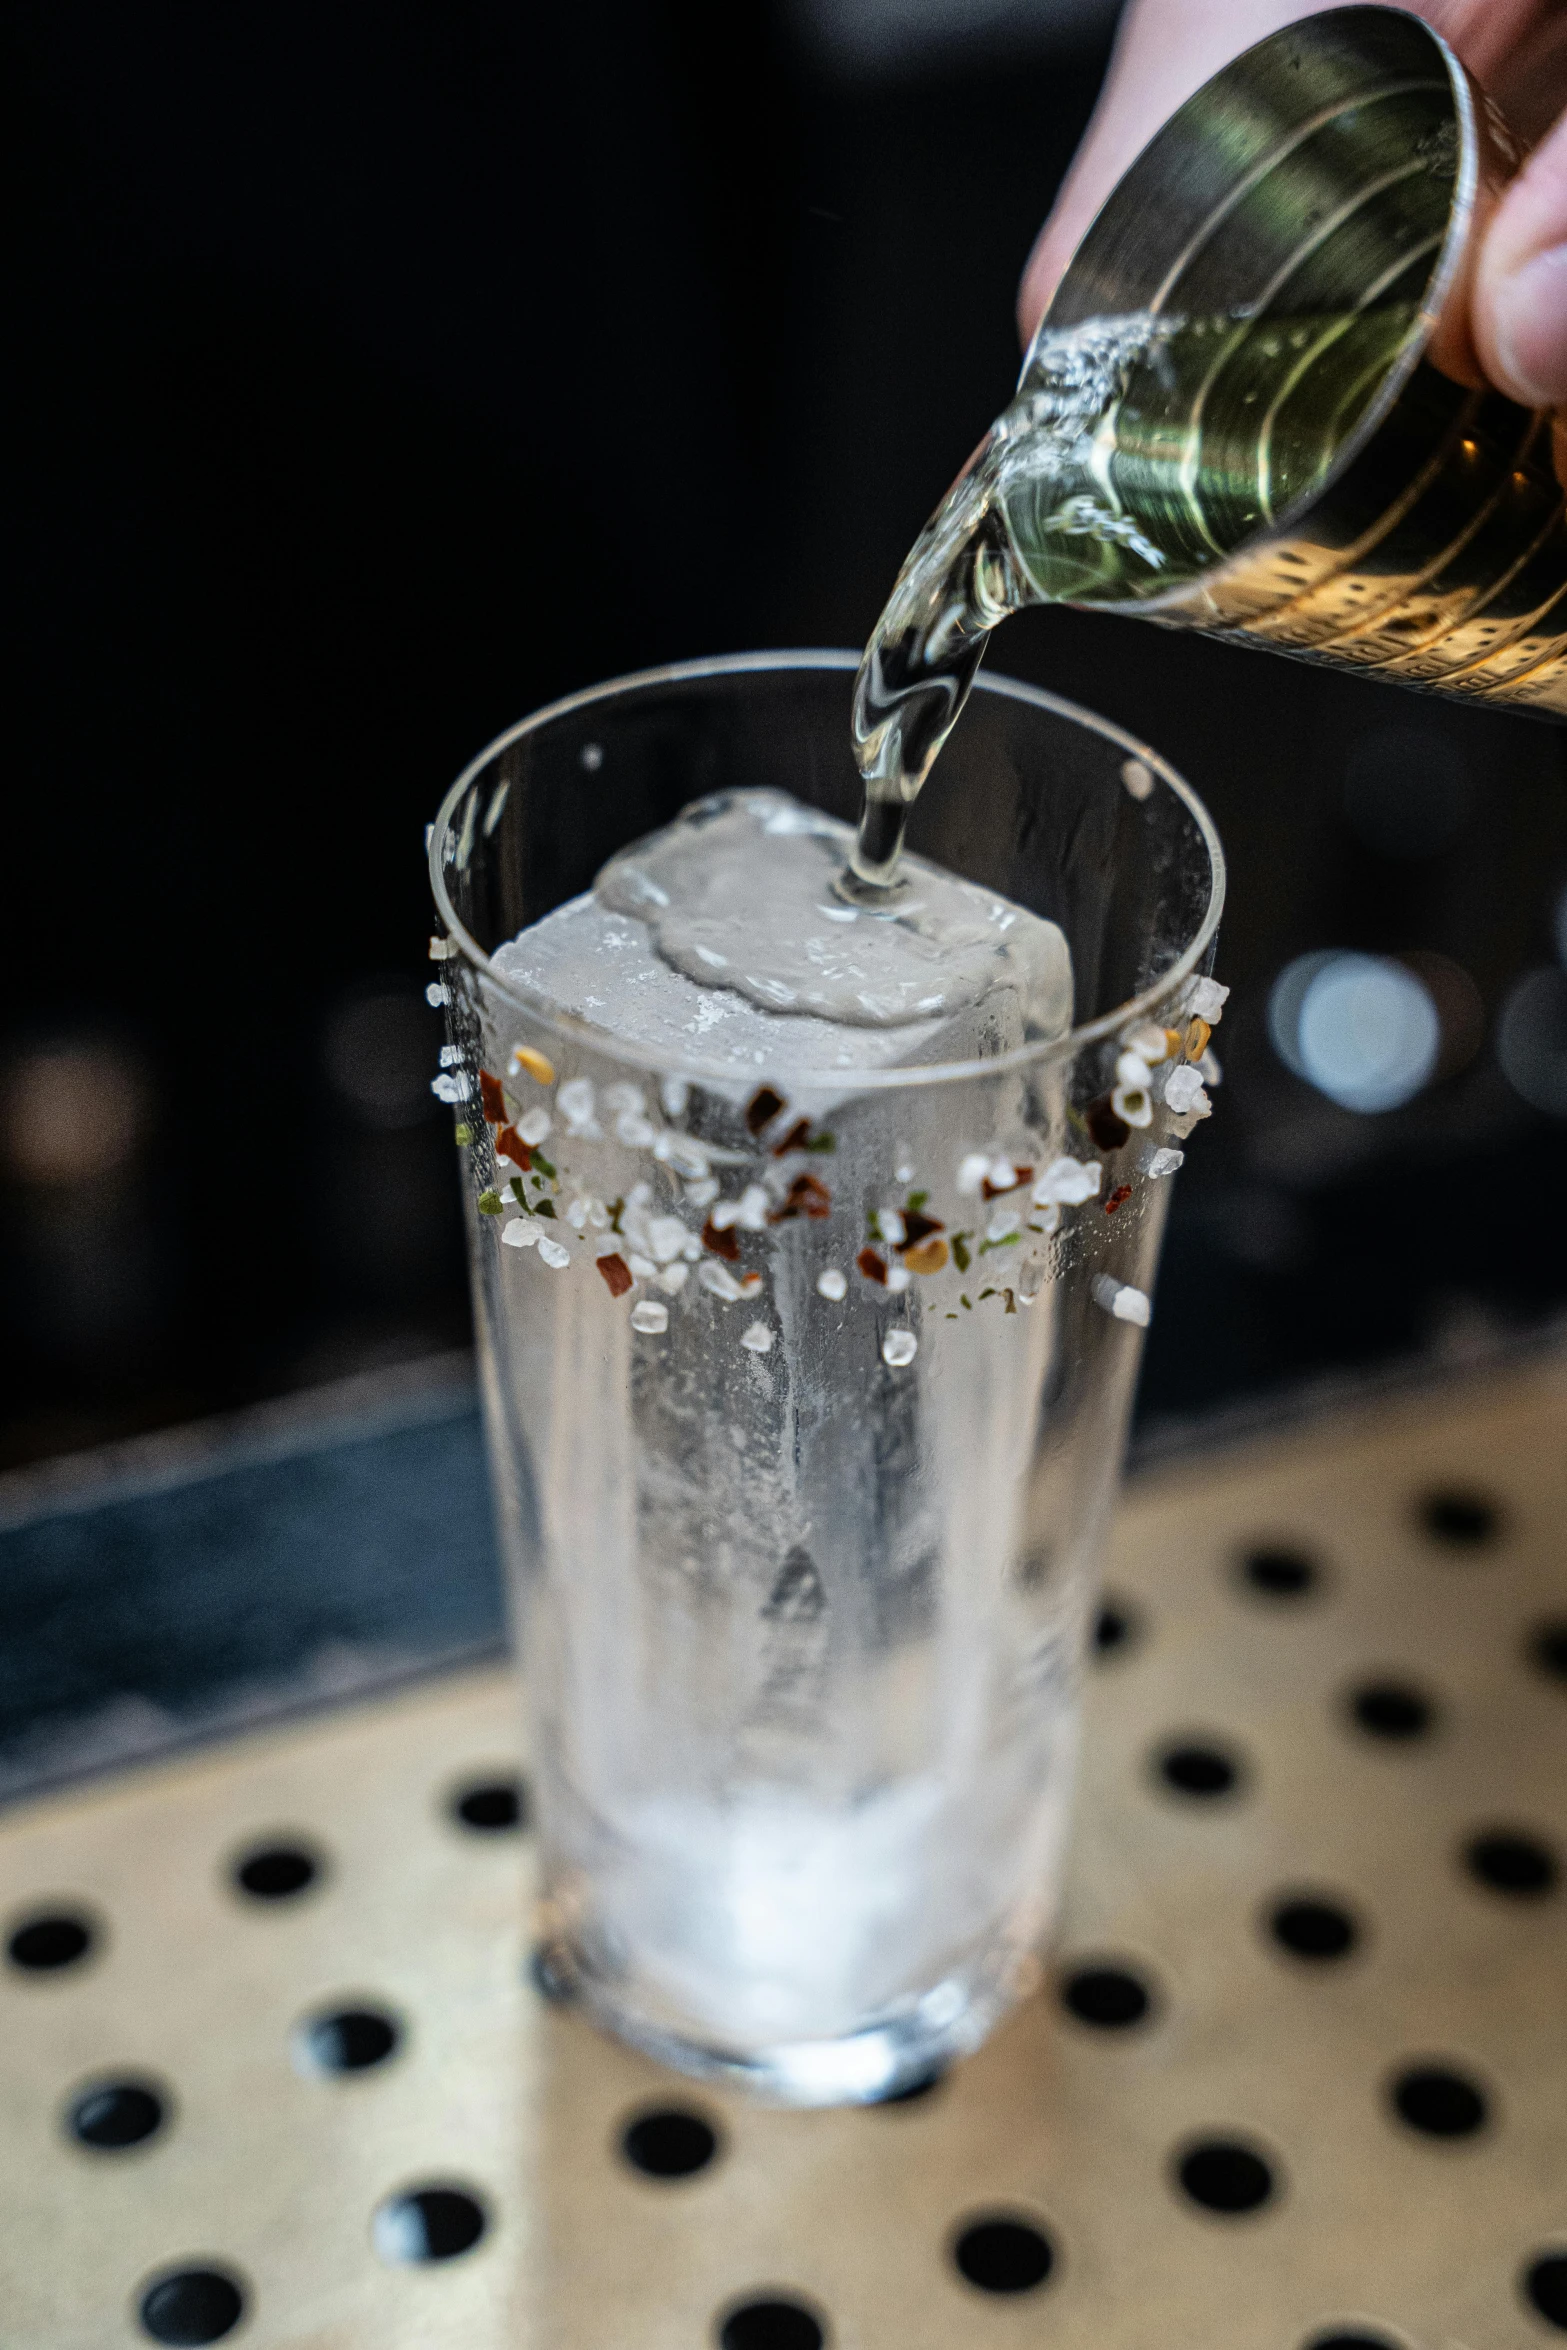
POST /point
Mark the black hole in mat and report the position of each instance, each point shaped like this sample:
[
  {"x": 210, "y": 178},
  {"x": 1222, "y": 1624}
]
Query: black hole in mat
[
  {"x": 1003, "y": 2255},
  {"x": 1107, "y": 1996},
  {"x": 492, "y": 1806},
  {"x": 114, "y": 2114},
  {"x": 350, "y": 2040},
  {"x": 1193, "y": 1769},
  {"x": 55, "y": 1939},
  {"x": 192, "y": 2305},
  {"x": 1459, "y": 1518},
  {"x": 1544, "y": 2287},
  {"x": 1510, "y": 1862},
  {"x": 1548, "y": 1650},
  {"x": 1279, "y": 1574},
  {"x": 1350, "y": 2338},
  {"x": 1391, "y": 1709},
  {"x": 276, "y": 1872},
  {"x": 1116, "y": 1629},
  {"x": 1438, "y": 2103},
  {"x": 1309, "y": 1927},
  {"x": 771, "y": 2325},
  {"x": 1223, "y": 2175},
  {"x": 428, "y": 2223},
  {"x": 912, "y": 2091},
  {"x": 669, "y": 2144}
]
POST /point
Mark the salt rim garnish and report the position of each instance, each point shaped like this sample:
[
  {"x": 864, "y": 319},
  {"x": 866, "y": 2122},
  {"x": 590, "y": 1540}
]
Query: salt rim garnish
[
  {"x": 554, "y": 1253},
  {"x": 899, "y": 1348},
  {"x": 522, "y": 1232},
  {"x": 716, "y": 1278},
  {"x": 536, "y": 1126},
  {"x": 1068, "y": 1182},
  {"x": 1207, "y": 999},
  {"x": 452, "y": 1086},
  {"x": 1164, "y": 1162},
  {"x": 1121, "y": 1301},
  {"x": 832, "y": 1284},
  {"x": 758, "y": 1340},
  {"x": 1183, "y": 1093},
  {"x": 648, "y": 1316}
]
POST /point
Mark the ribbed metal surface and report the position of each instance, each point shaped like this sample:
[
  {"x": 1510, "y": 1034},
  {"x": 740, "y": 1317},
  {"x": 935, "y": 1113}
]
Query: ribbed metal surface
[{"x": 266, "y": 2172}]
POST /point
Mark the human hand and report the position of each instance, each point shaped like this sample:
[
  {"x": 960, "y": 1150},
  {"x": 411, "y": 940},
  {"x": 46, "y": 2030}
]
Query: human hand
[{"x": 1516, "y": 325}]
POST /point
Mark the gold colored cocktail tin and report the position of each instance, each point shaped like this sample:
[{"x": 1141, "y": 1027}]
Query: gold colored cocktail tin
[{"x": 1324, "y": 487}]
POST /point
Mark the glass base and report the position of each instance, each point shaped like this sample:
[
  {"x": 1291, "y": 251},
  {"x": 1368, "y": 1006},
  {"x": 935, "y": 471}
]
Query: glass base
[{"x": 898, "y": 2057}]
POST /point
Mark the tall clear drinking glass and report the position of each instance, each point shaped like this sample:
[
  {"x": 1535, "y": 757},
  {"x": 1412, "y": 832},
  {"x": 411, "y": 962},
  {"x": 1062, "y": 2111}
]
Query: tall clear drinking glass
[{"x": 805, "y": 1390}]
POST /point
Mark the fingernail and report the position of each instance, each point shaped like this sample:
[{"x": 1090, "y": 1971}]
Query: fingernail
[{"x": 1529, "y": 311}]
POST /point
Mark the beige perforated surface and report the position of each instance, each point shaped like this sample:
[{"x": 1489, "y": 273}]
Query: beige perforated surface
[{"x": 273, "y": 2175}]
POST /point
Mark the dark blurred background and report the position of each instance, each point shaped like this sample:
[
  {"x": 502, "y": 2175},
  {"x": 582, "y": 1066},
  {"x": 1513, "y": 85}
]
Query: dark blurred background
[{"x": 379, "y": 374}]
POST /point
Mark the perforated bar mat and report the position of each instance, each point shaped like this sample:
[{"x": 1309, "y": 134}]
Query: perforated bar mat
[{"x": 272, "y": 2069}]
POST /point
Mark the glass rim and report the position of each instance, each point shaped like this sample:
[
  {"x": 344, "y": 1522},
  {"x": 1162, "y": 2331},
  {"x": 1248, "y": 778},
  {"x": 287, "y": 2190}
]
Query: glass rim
[{"x": 587, "y": 1033}]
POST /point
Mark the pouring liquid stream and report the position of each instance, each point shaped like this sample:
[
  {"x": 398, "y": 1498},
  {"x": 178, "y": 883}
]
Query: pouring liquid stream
[{"x": 1082, "y": 492}]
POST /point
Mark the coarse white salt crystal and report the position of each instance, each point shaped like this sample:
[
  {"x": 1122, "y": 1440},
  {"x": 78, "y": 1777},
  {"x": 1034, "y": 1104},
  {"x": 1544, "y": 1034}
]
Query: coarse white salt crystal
[
  {"x": 623, "y": 1096},
  {"x": 648, "y": 1316},
  {"x": 535, "y": 1126},
  {"x": 1121, "y": 1301},
  {"x": 1004, "y": 1223},
  {"x": 554, "y": 1252},
  {"x": 758, "y": 1339},
  {"x": 635, "y": 1131},
  {"x": 1208, "y": 1068},
  {"x": 891, "y": 1227},
  {"x": 1137, "y": 778},
  {"x": 1132, "y": 1069},
  {"x": 451, "y": 1054},
  {"x": 1003, "y": 1175},
  {"x": 577, "y": 1211},
  {"x": 674, "y": 1278},
  {"x": 1164, "y": 1162},
  {"x": 441, "y": 949},
  {"x": 899, "y": 1347},
  {"x": 832, "y": 1284},
  {"x": 718, "y": 1280},
  {"x": 643, "y": 1268},
  {"x": 751, "y": 1209},
  {"x": 726, "y": 1212},
  {"x": 1047, "y": 1218},
  {"x": 1069, "y": 1181},
  {"x": 667, "y": 1237},
  {"x": 973, "y": 1170},
  {"x": 449, "y": 1088},
  {"x": 898, "y": 1278},
  {"x": 575, "y": 1100},
  {"x": 702, "y": 1194},
  {"x": 1030, "y": 1280},
  {"x": 522, "y": 1232},
  {"x": 1184, "y": 1093},
  {"x": 674, "y": 1093},
  {"x": 1207, "y": 999},
  {"x": 903, "y": 1174},
  {"x": 750, "y": 1285},
  {"x": 436, "y": 995}
]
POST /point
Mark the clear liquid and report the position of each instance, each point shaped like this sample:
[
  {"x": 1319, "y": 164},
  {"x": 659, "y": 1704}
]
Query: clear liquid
[{"x": 1138, "y": 452}]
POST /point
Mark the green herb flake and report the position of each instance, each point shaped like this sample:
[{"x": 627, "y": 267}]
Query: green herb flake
[
  {"x": 543, "y": 1165},
  {"x": 984, "y": 1293},
  {"x": 986, "y": 1246},
  {"x": 616, "y": 1209},
  {"x": 967, "y": 1304},
  {"x": 516, "y": 1190},
  {"x": 951, "y": 1317},
  {"x": 463, "y": 1133},
  {"x": 960, "y": 1255},
  {"x": 822, "y": 1142},
  {"x": 544, "y": 1207},
  {"x": 916, "y": 1200},
  {"x": 490, "y": 1203}
]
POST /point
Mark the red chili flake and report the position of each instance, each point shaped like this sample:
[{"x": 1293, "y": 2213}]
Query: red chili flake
[
  {"x": 918, "y": 1227},
  {"x": 762, "y": 1108},
  {"x": 1117, "y": 1197},
  {"x": 805, "y": 1197},
  {"x": 722, "y": 1244},
  {"x": 871, "y": 1266},
  {"x": 1108, "y": 1129},
  {"x": 616, "y": 1272},
  {"x": 510, "y": 1145},
  {"x": 798, "y": 1138},
  {"x": 999, "y": 1190},
  {"x": 492, "y": 1098}
]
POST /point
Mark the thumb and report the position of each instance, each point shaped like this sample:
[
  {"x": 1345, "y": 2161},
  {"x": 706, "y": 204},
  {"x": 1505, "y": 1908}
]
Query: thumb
[{"x": 1520, "y": 292}]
